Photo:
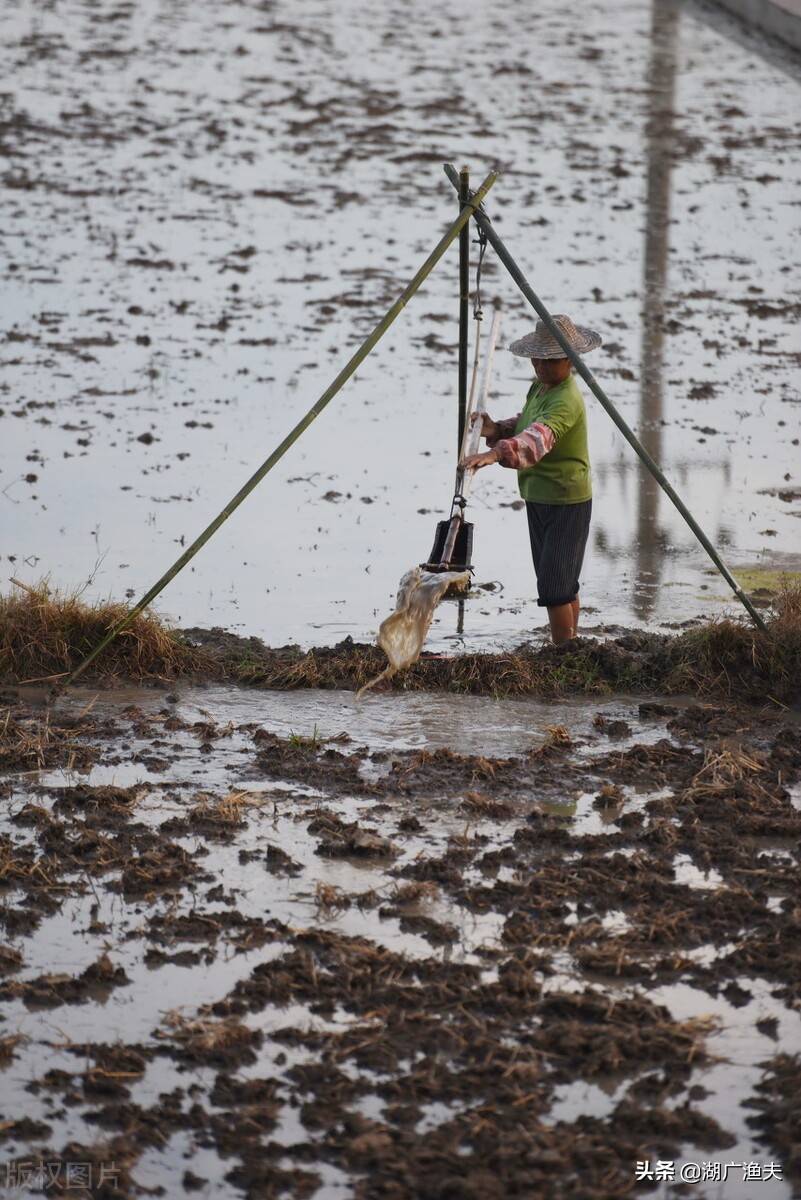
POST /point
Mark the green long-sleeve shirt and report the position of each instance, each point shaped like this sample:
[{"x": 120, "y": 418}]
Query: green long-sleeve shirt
[{"x": 562, "y": 476}]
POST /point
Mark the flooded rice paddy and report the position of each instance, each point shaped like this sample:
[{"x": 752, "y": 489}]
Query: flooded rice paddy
[
  {"x": 286, "y": 945},
  {"x": 207, "y": 208}
]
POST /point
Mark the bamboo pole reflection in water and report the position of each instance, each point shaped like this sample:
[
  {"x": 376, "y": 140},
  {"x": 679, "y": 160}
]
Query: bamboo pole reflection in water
[{"x": 652, "y": 539}]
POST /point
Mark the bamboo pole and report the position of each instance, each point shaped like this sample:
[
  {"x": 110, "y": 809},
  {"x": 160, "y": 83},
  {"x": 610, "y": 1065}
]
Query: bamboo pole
[
  {"x": 471, "y": 395},
  {"x": 484, "y": 223},
  {"x": 464, "y": 300},
  {"x": 495, "y": 333},
  {"x": 472, "y": 434},
  {"x": 367, "y": 345}
]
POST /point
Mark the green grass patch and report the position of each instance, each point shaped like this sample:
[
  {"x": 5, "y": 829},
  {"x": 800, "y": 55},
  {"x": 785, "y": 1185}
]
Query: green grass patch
[{"x": 759, "y": 583}]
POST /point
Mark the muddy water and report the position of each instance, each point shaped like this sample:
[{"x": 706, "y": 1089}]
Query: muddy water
[
  {"x": 402, "y": 633},
  {"x": 206, "y": 208},
  {"x": 421, "y": 778}
]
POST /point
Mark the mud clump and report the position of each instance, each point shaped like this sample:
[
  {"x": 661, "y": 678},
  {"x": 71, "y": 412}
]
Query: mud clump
[
  {"x": 348, "y": 840},
  {"x": 50, "y": 991}
]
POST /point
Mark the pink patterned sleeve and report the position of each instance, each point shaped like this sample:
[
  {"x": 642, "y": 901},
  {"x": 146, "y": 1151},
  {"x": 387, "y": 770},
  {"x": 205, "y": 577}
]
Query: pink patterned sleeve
[
  {"x": 526, "y": 448},
  {"x": 506, "y": 428}
]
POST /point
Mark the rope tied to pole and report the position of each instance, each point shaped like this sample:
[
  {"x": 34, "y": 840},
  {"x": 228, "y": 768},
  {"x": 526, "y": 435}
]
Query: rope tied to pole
[{"x": 482, "y": 239}]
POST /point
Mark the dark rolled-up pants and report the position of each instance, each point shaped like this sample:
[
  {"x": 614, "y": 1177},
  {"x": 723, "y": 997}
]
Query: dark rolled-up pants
[{"x": 558, "y": 534}]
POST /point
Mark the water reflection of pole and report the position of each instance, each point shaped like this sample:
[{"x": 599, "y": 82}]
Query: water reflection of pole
[{"x": 660, "y": 141}]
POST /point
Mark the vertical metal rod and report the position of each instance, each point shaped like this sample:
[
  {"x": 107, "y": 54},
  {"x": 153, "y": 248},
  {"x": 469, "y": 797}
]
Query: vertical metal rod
[{"x": 464, "y": 302}]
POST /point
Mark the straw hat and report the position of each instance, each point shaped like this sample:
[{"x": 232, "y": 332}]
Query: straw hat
[{"x": 542, "y": 344}]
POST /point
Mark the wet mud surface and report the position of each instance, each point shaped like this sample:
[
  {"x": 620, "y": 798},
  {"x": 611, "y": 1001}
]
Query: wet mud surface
[{"x": 242, "y": 960}]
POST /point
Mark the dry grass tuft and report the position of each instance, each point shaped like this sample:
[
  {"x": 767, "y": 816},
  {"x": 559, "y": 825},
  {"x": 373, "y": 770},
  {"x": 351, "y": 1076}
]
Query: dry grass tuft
[
  {"x": 204, "y": 1034},
  {"x": 414, "y": 892},
  {"x": 331, "y": 899},
  {"x": 723, "y": 771},
  {"x": 8, "y": 1046},
  {"x": 230, "y": 810},
  {"x": 738, "y": 660},
  {"x": 26, "y": 744},
  {"x": 45, "y": 633}
]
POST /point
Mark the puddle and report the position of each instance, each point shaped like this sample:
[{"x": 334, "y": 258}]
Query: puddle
[
  {"x": 687, "y": 872},
  {"x": 379, "y": 722},
  {"x": 740, "y": 1047}
]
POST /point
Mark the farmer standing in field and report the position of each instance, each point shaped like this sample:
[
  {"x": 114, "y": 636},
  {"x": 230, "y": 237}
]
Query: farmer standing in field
[{"x": 547, "y": 445}]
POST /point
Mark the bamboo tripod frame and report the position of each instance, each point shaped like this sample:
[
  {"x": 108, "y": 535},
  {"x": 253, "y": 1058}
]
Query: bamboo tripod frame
[{"x": 469, "y": 206}]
